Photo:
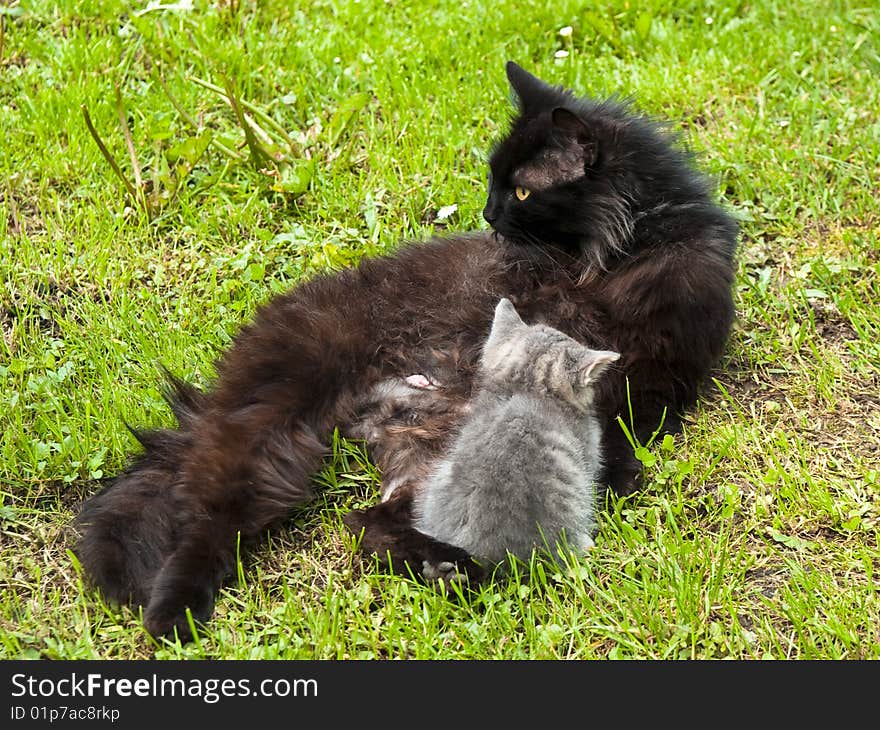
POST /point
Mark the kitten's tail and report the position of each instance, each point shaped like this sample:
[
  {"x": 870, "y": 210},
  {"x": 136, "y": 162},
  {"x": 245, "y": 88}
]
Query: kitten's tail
[{"x": 129, "y": 528}]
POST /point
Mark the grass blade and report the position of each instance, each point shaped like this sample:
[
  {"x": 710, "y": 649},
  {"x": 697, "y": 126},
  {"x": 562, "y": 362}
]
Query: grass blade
[{"x": 107, "y": 156}]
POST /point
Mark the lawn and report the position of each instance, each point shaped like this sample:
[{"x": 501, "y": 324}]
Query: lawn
[{"x": 258, "y": 144}]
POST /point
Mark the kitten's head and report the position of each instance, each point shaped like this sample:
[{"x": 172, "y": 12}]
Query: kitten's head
[
  {"x": 540, "y": 359},
  {"x": 575, "y": 173}
]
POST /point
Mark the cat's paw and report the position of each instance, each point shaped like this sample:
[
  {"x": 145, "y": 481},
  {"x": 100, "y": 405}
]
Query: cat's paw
[
  {"x": 624, "y": 478},
  {"x": 166, "y": 613},
  {"x": 442, "y": 572},
  {"x": 164, "y": 618},
  {"x": 386, "y": 530},
  {"x": 355, "y": 521}
]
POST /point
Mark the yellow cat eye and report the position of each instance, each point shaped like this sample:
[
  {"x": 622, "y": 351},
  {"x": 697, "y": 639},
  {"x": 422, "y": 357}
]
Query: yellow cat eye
[{"x": 522, "y": 193}]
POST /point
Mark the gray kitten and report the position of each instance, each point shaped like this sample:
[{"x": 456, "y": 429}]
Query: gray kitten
[{"x": 522, "y": 471}]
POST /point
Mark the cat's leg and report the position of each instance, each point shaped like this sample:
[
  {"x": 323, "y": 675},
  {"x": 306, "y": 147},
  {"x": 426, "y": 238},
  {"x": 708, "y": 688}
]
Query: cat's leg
[
  {"x": 244, "y": 474},
  {"x": 672, "y": 316},
  {"x": 448, "y": 573},
  {"x": 165, "y": 533},
  {"x": 129, "y": 528},
  {"x": 385, "y": 530},
  {"x": 189, "y": 579},
  {"x": 621, "y": 471}
]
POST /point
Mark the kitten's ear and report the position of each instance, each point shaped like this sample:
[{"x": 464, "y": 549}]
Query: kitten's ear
[
  {"x": 593, "y": 364},
  {"x": 572, "y": 126},
  {"x": 506, "y": 320},
  {"x": 506, "y": 316},
  {"x": 527, "y": 88}
]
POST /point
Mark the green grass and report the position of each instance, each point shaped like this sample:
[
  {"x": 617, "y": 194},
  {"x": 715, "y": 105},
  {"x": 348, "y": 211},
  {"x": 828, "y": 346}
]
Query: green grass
[{"x": 757, "y": 532}]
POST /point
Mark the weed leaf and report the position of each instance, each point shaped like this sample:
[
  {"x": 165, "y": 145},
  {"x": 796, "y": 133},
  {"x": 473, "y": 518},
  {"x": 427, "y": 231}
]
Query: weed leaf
[
  {"x": 294, "y": 177},
  {"x": 343, "y": 116}
]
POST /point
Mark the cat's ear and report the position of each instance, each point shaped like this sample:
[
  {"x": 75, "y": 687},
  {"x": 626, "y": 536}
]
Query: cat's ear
[
  {"x": 572, "y": 127},
  {"x": 593, "y": 363},
  {"x": 528, "y": 89}
]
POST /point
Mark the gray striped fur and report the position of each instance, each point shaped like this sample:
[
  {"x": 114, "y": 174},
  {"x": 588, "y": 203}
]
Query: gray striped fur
[{"x": 522, "y": 471}]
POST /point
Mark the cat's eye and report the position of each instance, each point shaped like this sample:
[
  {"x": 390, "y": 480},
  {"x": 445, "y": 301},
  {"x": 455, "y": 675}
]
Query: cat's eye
[{"x": 522, "y": 193}]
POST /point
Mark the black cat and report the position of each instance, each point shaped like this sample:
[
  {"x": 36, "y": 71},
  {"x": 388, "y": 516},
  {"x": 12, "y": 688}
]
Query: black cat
[{"x": 602, "y": 229}]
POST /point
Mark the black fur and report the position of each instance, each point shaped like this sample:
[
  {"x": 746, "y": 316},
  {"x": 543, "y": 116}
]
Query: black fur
[{"x": 627, "y": 253}]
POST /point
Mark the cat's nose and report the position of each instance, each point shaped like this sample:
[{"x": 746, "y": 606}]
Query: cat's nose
[{"x": 490, "y": 213}]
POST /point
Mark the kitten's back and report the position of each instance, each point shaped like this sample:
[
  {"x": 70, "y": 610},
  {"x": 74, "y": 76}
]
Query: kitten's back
[{"x": 521, "y": 473}]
